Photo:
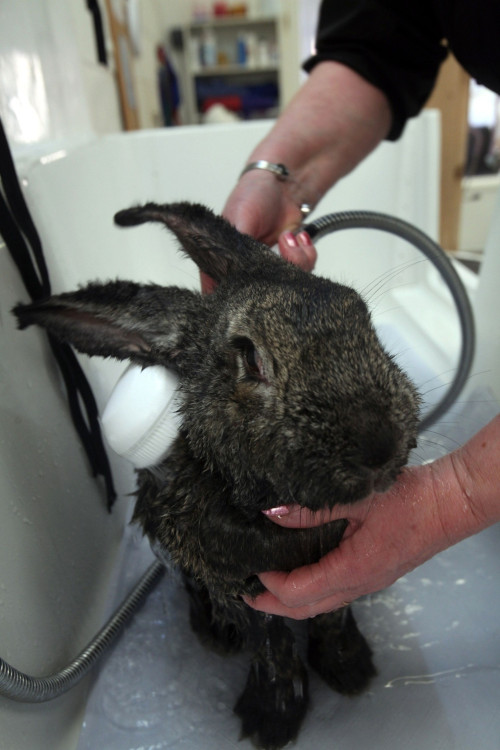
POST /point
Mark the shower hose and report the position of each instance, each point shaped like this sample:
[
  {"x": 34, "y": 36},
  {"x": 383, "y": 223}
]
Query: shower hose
[{"x": 25, "y": 688}]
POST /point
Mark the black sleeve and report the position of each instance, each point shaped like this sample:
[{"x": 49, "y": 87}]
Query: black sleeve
[{"x": 397, "y": 45}]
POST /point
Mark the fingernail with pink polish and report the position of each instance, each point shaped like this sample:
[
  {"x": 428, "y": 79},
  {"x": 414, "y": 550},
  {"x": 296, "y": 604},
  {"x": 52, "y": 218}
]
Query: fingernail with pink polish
[
  {"x": 280, "y": 510},
  {"x": 304, "y": 239},
  {"x": 290, "y": 239}
]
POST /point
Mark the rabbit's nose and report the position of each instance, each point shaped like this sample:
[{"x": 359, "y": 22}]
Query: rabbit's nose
[{"x": 378, "y": 444}]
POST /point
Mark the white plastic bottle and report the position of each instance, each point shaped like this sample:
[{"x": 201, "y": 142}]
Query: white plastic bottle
[{"x": 209, "y": 49}]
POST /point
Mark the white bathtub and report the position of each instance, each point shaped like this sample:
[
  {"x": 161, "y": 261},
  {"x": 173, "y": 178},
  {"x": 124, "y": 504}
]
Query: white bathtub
[{"x": 61, "y": 553}]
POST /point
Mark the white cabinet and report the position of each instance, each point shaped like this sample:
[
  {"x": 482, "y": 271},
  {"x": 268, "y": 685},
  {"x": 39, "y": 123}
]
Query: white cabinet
[{"x": 234, "y": 61}]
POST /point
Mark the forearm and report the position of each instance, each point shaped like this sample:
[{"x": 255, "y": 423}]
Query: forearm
[
  {"x": 335, "y": 120},
  {"x": 474, "y": 472}
]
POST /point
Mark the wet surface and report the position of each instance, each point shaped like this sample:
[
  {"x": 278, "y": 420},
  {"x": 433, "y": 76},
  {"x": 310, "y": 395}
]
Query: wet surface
[{"x": 435, "y": 635}]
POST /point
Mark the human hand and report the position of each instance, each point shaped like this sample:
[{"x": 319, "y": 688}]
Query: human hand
[
  {"x": 388, "y": 535},
  {"x": 261, "y": 207},
  {"x": 320, "y": 138}
]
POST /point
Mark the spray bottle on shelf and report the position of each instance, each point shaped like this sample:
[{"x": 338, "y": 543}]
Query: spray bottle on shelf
[{"x": 208, "y": 49}]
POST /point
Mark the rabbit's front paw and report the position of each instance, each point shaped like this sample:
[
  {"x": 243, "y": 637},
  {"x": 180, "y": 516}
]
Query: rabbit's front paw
[
  {"x": 214, "y": 630},
  {"x": 339, "y": 652},
  {"x": 272, "y": 706}
]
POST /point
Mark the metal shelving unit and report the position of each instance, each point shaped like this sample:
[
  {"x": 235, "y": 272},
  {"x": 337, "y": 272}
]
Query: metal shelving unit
[{"x": 233, "y": 60}]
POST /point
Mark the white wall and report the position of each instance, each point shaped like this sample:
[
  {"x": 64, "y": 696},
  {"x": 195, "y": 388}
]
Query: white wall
[
  {"x": 151, "y": 32},
  {"x": 49, "y": 73},
  {"x": 51, "y": 84}
]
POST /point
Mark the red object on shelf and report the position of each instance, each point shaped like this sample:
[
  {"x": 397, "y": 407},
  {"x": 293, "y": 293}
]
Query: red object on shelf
[
  {"x": 231, "y": 102},
  {"x": 220, "y": 9}
]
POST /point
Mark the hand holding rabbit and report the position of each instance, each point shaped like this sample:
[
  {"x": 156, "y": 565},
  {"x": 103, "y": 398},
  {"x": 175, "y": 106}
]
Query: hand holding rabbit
[{"x": 428, "y": 509}]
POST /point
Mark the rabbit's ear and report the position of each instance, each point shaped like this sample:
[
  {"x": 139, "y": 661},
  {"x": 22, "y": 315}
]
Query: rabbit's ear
[
  {"x": 143, "y": 323},
  {"x": 217, "y": 248}
]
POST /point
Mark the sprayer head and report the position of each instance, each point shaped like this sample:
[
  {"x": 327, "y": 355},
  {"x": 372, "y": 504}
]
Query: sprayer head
[{"x": 141, "y": 419}]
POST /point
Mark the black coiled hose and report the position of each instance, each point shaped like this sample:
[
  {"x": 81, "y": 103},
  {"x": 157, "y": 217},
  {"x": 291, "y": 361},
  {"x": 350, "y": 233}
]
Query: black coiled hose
[{"x": 21, "y": 687}]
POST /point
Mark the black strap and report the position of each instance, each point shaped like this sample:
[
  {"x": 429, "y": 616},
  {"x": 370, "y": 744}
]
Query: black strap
[
  {"x": 100, "y": 39},
  {"x": 19, "y": 252},
  {"x": 25, "y": 248},
  {"x": 20, "y": 219}
]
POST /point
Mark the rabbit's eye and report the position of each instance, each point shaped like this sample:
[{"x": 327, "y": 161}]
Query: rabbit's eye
[{"x": 251, "y": 360}]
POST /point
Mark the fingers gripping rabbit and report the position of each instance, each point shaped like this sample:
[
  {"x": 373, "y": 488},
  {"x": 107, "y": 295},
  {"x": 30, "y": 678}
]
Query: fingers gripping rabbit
[{"x": 287, "y": 397}]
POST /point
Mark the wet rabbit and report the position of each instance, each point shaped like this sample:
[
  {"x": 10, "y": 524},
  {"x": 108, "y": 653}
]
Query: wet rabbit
[{"x": 287, "y": 397}]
